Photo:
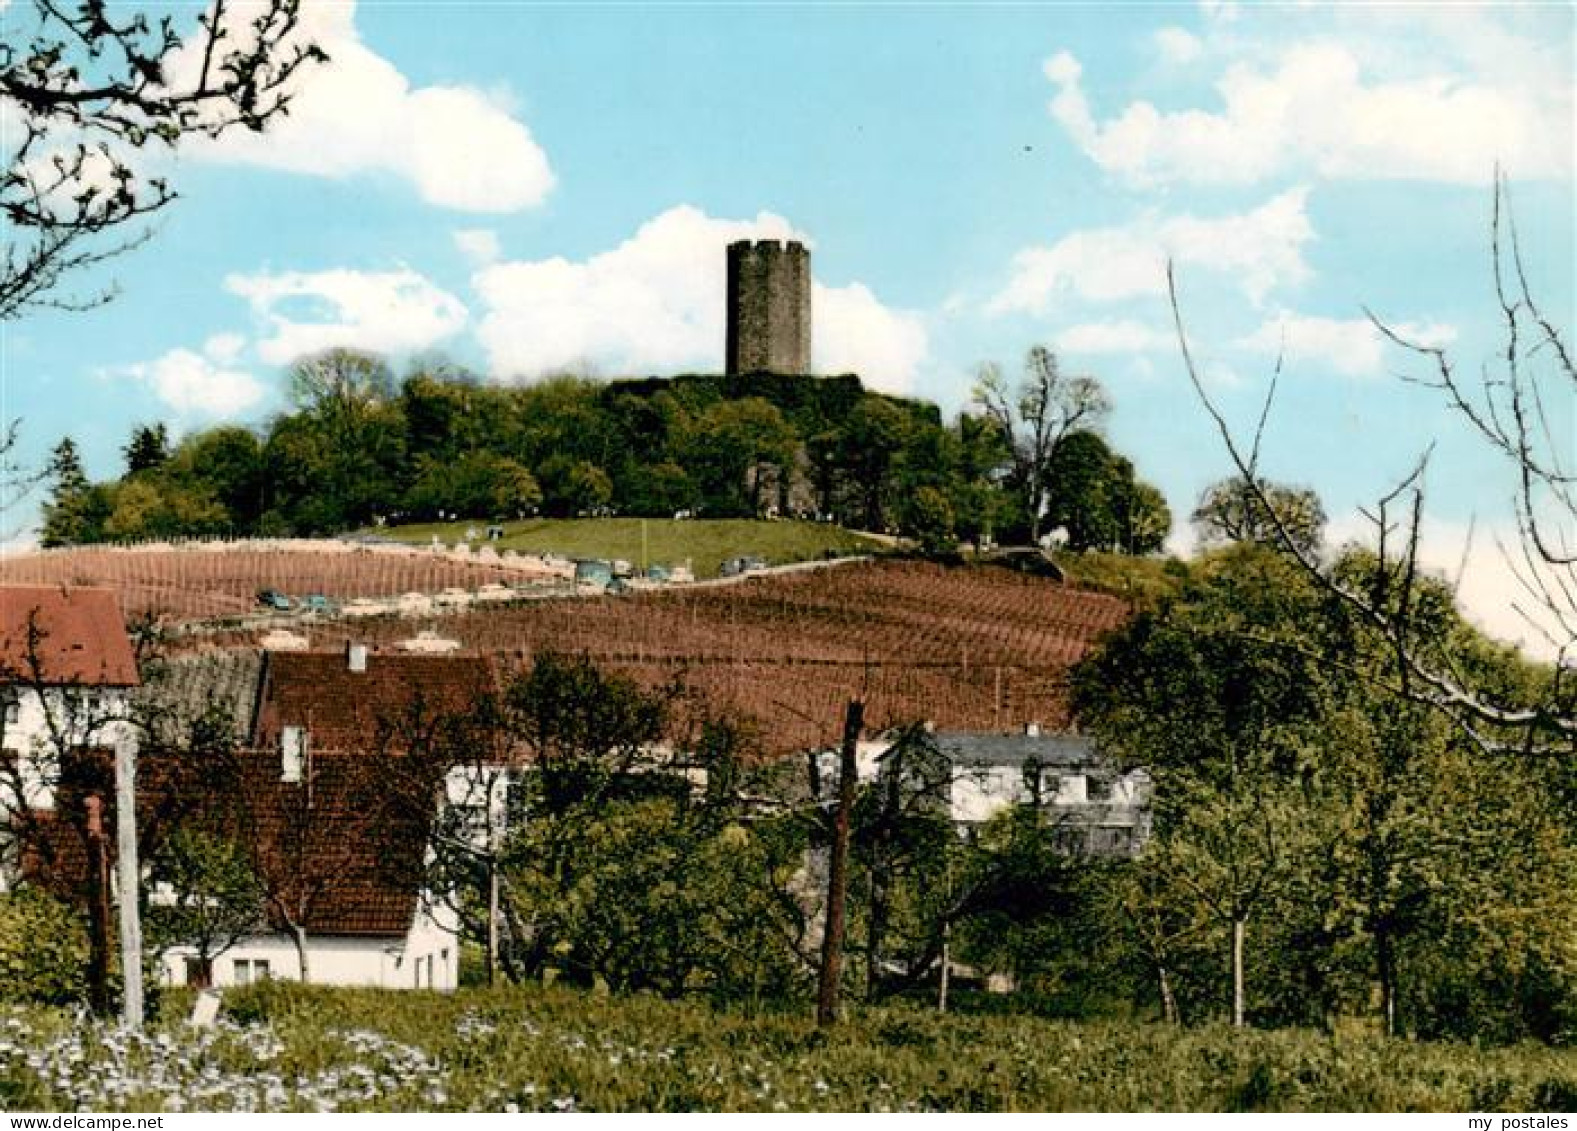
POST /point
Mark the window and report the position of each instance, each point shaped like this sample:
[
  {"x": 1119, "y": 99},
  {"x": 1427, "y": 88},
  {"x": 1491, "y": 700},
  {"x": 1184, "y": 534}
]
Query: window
[
  {"x": 10, "y": 706},
  {"x": 249, "y": 970}
]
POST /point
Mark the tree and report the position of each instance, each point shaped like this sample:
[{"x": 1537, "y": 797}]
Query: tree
[
  {"x": 148, "y": 448},
  {"x": 1233, "y": 511},
  {"x": 227, "y": 464},
  {"x": 929, "y": 518},
  {"x": 16, "y": 481},
  {"x": 1099, "y": 502},
  {"x": 466, "y": 761},
  {"x": 476, "y": 484},
  {"x": 340, "y": 388},
  {"x": 87, "y": 86},
  {"x": 338, "y": 462},
  {"x": 64, "y": 521},
  {"x": 615, "y": 868},
  {"x": 741, "y": 450},
  {"x": 1030, "y": 910},
  {"x": 574, "y": 487},
  {"x": 59, "y": 789},
  {"x": 1034, "y": 420},
  {"x": 1510, "y": 412},
  {"x": 154, "y": 507},
  {"x": 1223, "y": 719},
  {"x": 212, "y": 897}
]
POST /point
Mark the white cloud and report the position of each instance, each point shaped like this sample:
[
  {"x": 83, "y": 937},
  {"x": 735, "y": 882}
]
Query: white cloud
[
  {"x": 852, "y": 332},
  {"x": 389, "y": 311},
  {"x": 1177, "y": 45},
  {"x": 1118, "y": 336},
  {"x": 1473, "y": 559},
  {"x": 1262, "y": 250},
  {"x": 654, "y": 304},
  {"x": 479, "y": 245},
  {"x": 226, "y": 349},
  {"x": 1316, "y": 111},
  {"x": 460, "y": 147},
  {"x": 199, "y": 384},
  {"x": 1350, "y": 347}
]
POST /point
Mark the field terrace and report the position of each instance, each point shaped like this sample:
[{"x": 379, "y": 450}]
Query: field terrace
[
  {"x": 205, "y": 580},
  {"x": 976, "y": 648}
]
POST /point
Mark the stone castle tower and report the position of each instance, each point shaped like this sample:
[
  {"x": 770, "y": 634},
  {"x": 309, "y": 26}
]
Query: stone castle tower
[{"x": 768, "y": 307}]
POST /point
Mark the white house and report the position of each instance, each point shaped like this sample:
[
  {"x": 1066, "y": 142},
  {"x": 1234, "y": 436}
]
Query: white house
[
  {"x": 339, "y": 833},
  {"x": 1102, "y": 809},
  {"x": 66, "y": 674}
]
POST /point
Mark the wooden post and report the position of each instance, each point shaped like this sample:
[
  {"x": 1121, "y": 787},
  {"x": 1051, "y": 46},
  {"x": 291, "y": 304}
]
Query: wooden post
[
  {"x": 838, "y": 870},
  {"x": 492, "y": 918},
  {"x": 98, "y": 908},
  {"x": 130, "y": 881}
]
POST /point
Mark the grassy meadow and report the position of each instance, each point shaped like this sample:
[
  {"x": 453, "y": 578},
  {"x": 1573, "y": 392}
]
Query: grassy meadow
[
  {"x": 283, "y": 1047},
  {"x": 704, "y": 543}
]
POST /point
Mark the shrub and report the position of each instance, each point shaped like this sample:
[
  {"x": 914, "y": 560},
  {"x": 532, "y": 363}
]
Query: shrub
[{"x": 43, "y": 949}]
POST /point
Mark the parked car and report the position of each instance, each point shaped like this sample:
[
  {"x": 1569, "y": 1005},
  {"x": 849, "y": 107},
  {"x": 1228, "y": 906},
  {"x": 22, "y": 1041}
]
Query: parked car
[
  {"x": 733, "y": 567},
  {"x": 273, "y": 599},
  {"x": 593, "y": 571},
  {"x": 315, "y": 603}
]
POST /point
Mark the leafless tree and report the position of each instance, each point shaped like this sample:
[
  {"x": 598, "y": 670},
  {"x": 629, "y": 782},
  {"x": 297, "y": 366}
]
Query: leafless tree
[
  {"x": 1514, "y": 406},
  {"x": 1033, "y": 420},
  {"x": 85, "y": 86}
]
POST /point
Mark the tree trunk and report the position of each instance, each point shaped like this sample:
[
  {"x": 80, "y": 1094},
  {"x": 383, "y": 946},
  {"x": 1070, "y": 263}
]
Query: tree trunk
[
  {"x": 1239, "y": 928},
  {"x": 947, "y": 969},
  {"x": 1168, "y": 998},
  {"x": 298, "y": 935},
  {"x": 1385, "y": 959},
  {"x": 200, "y": 974},
  {"x": 838, "y": 871}
]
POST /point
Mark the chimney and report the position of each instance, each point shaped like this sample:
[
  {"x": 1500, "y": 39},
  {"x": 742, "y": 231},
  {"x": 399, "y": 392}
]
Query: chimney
[
  {"x": 1032, "y": 730},
  {"x": 292, "y": 753},
  {"x": 356, "y": 655}
]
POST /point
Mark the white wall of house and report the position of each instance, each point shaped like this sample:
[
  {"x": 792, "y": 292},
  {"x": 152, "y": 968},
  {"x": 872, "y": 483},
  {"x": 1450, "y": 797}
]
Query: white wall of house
[
  {"x": 45, "y": 719},
  {"x": 981, "y": 792},
  {"x": 427, "y": 957},
  {"x": 978, "y": 792}
]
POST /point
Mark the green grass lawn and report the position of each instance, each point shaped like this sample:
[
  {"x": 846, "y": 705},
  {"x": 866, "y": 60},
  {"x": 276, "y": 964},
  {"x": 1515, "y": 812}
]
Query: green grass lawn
[
  {"x": 281, "y": 1047},
  {"x": 704, "y": 543}
]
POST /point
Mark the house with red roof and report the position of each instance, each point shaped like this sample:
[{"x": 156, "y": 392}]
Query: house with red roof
[
  {"x": 67, "y": 669},
  {"x": 338, "y": 819}
]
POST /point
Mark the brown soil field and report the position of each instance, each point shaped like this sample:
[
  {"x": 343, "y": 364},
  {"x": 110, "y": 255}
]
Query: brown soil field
[
  {"x": 197, "y": 583},
  {"x": 977, "y": 648}
]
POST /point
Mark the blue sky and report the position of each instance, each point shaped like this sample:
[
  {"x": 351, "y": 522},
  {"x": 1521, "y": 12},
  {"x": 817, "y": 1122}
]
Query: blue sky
[{"x": 532, "y": 189}]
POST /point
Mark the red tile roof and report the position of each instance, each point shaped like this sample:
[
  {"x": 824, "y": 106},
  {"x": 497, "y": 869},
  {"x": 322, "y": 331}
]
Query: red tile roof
[
  {"x": 344, "y": 847},
  {"x": 58, "y": 635},
  {"x": 335, "y": 852},
  {"x": 344, "y": 710},
  {"x": 339, "y": 852}
]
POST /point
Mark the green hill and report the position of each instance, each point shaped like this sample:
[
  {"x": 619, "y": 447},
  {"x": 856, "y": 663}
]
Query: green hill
[{"x": 704, "y": 543}]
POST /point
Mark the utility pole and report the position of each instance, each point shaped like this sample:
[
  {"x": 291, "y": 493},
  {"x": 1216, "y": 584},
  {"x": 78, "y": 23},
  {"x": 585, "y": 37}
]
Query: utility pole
[
  {"x": 130, "y": 879},
  {"x": 830, "y": 981}
]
